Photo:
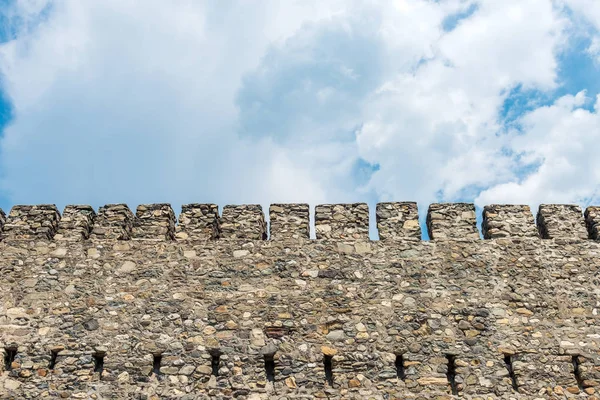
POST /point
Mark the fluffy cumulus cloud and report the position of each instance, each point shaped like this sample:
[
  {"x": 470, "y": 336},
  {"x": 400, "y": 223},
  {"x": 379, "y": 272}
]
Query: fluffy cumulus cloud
[
  {"x": 561, "y": 140},
  {"x": 587, "y": 15},
  {"x": 312, "y": 101}
]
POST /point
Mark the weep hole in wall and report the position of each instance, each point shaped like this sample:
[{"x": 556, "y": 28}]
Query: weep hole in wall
[
  {"x": 328, "y": 366},
  {"x": 508, "y": 362},
  {"x": 399, "y": 363},
  {"x": 270, "y": 367},
  {"x": 53, "y": 357},
  {"x": 215, "y": 361},
  {"x": 99, "y": 362},
  {"x": 451, "y": 374},
  {"x": 156, "y": 361},
  {"x": 577, "y": 372},
  {"x": 10, "y": 353}
]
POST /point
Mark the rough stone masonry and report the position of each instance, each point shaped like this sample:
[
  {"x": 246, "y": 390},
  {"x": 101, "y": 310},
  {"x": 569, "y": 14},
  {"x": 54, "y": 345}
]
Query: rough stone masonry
[{"x": 117, "y": 305}]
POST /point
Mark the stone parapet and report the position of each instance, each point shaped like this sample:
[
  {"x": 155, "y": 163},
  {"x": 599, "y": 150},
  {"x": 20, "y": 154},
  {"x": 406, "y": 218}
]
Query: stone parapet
[
  {"x": 507, "y": 220},
  {"x": 512, "y": 318},
  {"x": 154, "y": 221},
  {"x": 561, "y": 221},
  {"x": 114, "y": 221},
  {"x": 342, "y": 221},
  {"x": 592, "y": 220},
  {"x": 243, "y": 222},
  {"x": 76, "y": 223},
  {"x": 32, "y": 222},
  {"x": 289, "y": 221},
  {"x": 452, "y": 221},
  {"x": 395, "y": 221},
  {"x": 398, "y": 221},
  {"x": 198, "y": 222}
]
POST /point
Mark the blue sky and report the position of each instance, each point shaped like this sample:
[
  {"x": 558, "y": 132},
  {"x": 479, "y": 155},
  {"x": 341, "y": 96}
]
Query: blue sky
[{"x": 299, "y": 101}]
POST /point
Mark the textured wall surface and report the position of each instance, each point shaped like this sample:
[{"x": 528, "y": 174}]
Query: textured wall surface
[{"x": 117, "y": 305}]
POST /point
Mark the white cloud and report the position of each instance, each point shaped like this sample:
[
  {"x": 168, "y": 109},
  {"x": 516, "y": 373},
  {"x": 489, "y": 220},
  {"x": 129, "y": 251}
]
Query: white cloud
[
  {"x": 286, "y": 101},
  {"x": 117, "y": 102},
  {"x": 562, "y": 139},
  {"x": 587, "y": 14},
  {"x": 439, "y": 123}
]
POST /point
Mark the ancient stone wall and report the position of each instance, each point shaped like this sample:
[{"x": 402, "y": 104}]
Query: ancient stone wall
[{"x": 117, "y": 305}]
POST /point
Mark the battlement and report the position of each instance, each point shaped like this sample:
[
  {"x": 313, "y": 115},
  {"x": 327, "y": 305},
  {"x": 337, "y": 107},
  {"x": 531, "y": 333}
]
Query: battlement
[
  {"x": 199, "y": 222},
  {"x": 561, "y": 221},
  {"x": 398, "y": 221},
  {"x": 395, "y": 221},
  {"x": 289, "y": 221},
  {"x": 114, "y": 221},
  {"x": 509, "y": 221},
  {"x": 452, "y": 221},
  {"x": 592, "y": 220},
  {"x": 30, "y": 222},
  {"x": 117, "y": 304}
]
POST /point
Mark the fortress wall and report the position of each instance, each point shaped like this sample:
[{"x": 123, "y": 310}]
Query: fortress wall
[
  {"x": 421, "y": 311},
  {"x": 467, "y": 303}
]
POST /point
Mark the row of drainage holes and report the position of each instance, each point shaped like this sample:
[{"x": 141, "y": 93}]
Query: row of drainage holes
[{"x": 11, "y": 352}]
